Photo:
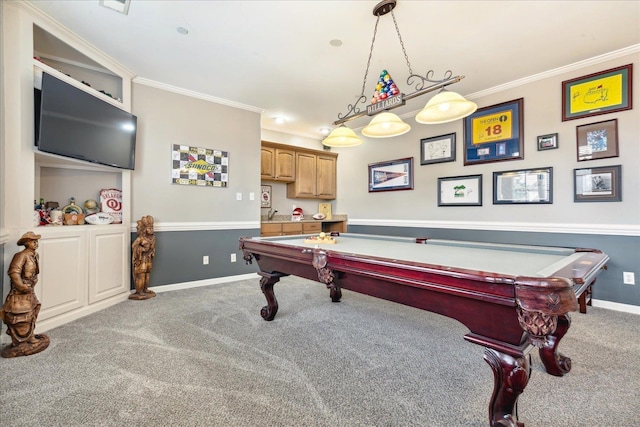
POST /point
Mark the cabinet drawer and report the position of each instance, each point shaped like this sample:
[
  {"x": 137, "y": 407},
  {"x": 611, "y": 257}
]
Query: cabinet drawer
[
  {"x": 270, "y": 229},
  {"x": 311, "y": 227},
  {"x": 292, "y": 228}
]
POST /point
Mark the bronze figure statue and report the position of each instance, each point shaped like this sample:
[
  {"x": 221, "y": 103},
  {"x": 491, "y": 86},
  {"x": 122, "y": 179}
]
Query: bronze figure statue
[
  {"x": 143, "y": 250},
  {"x": 21, "y": 308}
]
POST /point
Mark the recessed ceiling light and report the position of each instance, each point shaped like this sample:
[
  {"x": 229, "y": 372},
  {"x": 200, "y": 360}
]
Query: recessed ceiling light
[
  {"x": 279, "y": 120},
  {"x": 325, "y": 131},
  {"x": 182, "y": 31},
  {"x": 121, "y": 6},
  {"x": 336, "y": 43}
]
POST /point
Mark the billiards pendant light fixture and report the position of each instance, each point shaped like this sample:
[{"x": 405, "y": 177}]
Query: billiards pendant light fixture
[{"x": 445, "y": 107}]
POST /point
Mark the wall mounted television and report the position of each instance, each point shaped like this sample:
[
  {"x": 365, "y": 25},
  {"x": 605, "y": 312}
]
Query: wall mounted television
[{"x": 72, "y": 123}]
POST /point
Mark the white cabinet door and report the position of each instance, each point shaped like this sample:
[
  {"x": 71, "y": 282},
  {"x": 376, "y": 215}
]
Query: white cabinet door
[
  {"x": 62, "y": 282},
  {"x": 109, "y": 262}
]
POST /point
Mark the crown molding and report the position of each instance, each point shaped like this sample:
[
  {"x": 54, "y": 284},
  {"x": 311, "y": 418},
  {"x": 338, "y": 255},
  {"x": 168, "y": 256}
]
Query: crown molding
[
  {"x": 198, "y": 95},
  {"x": 557, "y": 71}
]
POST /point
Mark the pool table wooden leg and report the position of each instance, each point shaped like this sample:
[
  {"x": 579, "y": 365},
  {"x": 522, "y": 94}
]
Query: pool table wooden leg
[
  {"x": 511, "y": 375},
  {"x": 554, "y": 362},
  {"x": 268, "y": 312}
]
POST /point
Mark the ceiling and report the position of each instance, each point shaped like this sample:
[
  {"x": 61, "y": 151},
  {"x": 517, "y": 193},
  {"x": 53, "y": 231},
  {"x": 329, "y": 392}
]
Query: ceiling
[{"x": 277, "y": 56}]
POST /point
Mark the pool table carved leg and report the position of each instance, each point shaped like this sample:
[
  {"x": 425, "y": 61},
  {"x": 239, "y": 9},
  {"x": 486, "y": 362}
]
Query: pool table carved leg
[
  {"x": 511, "y": 375},
  {"x": 268, "y": 312},
  {"x": 554, "y": 362},
  {"x": 328, "y": 276}
]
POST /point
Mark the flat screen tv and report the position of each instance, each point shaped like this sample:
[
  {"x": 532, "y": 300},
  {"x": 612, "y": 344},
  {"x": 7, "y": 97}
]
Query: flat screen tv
[{"x": 72, "y": 123}]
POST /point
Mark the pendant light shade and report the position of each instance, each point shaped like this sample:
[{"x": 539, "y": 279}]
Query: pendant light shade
[
  {"x": 385, "y": 125},
  {"x": 342, "y": 136},
  {"x": 445, "y": 107}
]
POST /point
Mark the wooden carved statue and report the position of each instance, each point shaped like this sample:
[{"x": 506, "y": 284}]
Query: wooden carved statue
[
  {"x": 21, "y": 308},
  {"x": 143, "y": 250}
]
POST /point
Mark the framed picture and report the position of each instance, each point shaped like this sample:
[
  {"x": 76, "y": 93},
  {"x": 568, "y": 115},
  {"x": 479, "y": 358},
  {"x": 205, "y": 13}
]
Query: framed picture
[
  {"x": 548, "y": 142},
  {"x": 599, "y": 93},
  {"x": 601, "y": 184},
  {"x": 597, "y": 140},
  {"x": 438, "y": 149},
  {"x": 460, "y": 191},
  {"x": 526, "y": 186},
  {"x": 265, "y": 196},
  {"x": 495, "y": 133},
  {"x": 391, "y": 175}
]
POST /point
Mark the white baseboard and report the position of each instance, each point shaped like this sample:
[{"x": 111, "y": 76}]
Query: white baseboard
[
  {"x": 616, "y": 306},
  {"x": 206, "y": 282}
]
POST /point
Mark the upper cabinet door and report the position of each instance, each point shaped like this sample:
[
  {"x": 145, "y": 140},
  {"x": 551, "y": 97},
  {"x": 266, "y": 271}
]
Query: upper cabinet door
[
  {"x": 267, "y": 163},
  {"x": 326, "y": 177},
  {"x": 285, "y": 165},
  {"x": 277, "y": 164}
]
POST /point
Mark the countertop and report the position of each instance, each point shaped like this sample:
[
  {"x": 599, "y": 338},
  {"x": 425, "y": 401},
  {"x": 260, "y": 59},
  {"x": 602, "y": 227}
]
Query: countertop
[{"x": 281, "y": 219}]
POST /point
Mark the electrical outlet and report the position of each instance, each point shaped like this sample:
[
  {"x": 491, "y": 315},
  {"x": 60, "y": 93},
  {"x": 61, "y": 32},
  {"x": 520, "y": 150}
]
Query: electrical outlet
[
  {"x": 252, "y": 196},
  {"x": 629, "y": 278},
  {"x": 205, "y": 260},
  {"x": 238, "y": 196},
  {"x": 233, "y": 257}
]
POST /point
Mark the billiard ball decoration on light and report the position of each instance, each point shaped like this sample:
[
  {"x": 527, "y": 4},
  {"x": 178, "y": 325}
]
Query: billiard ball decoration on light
[{"x": 385, "y": 88}]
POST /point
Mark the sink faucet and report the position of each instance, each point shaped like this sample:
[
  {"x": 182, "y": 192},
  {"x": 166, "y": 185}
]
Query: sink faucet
[{"x": 271, "y": 213}]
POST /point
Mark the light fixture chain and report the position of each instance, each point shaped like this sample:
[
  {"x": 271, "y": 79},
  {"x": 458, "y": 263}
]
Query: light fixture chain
[
  {"x": 406, "y": 57},
  {"x": 373, "y": 40}
]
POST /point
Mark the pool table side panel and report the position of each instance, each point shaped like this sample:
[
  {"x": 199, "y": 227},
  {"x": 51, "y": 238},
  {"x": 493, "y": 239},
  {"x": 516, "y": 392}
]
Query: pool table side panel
[{"x": 482, "y": 316}]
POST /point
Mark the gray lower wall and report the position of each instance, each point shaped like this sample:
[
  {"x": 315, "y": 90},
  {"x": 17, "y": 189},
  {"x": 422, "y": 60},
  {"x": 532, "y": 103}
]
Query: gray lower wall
[
  {"x": 178, "y": 257},
  {"x": 179, "y": 253},
  {"x": 624, "y": 252}
]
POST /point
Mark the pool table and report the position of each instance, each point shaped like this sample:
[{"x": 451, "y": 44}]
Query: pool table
[{"x": 512, "y": 298}]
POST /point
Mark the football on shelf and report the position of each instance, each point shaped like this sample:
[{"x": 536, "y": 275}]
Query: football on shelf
[
  {"x": 100, "y": 218},
  {"x": 320, "y": 238}
]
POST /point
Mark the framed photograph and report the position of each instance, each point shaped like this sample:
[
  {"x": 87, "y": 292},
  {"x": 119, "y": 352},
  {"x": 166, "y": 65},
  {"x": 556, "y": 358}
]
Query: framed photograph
[
  {"x": 391, "y": 175},
  {"x": 597, "y": 140},
  {"x": 601, "y": 184},
  {"x": 438, "y": 149},
  {"x": 526, "y": 186},
  {"x": 265, "y": 196},
  {"x": 548, "y": 142},
  {"x": 599, "y": 93},
  {"x": 495, "y": 133},
  {"x": 460, "y": 191}
]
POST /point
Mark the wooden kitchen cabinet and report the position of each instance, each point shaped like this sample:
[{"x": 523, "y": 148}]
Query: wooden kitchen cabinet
[
  {"x": 280, "y": 229},
  {"x": 293, "y": 228},
  {"x": 277, "y": 164},
  {"x": 315, "y": 176}
]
